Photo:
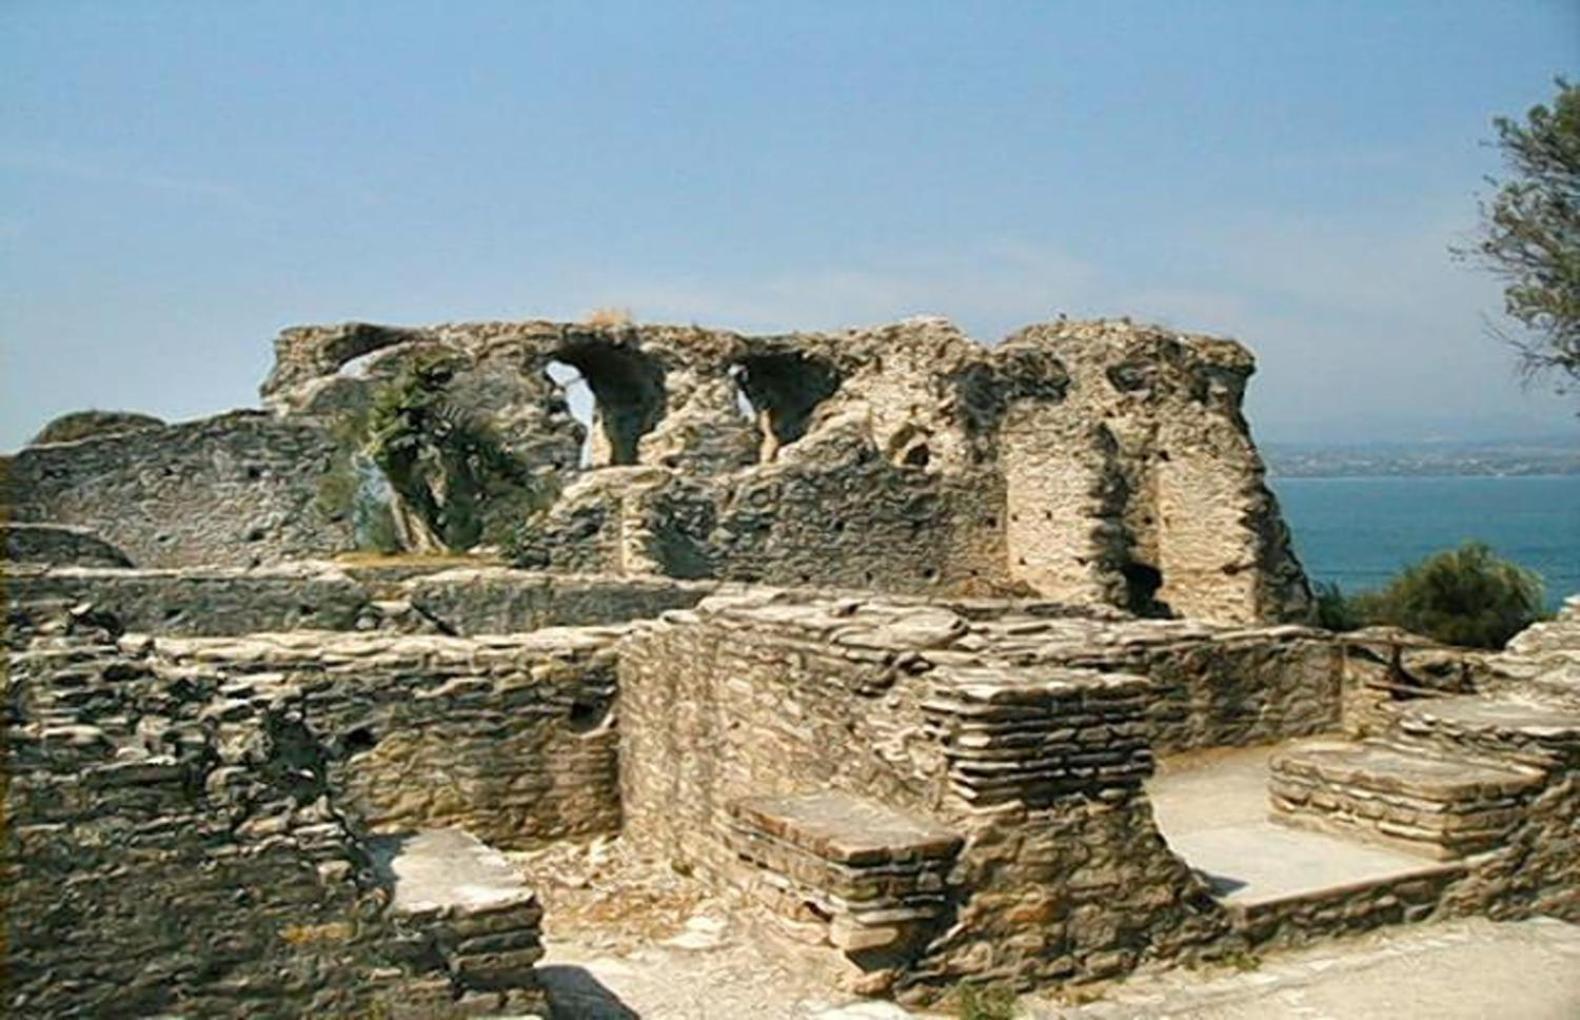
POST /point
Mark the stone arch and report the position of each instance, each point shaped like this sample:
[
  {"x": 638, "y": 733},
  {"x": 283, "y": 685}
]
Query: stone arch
[
  {"x": 627, "y": 391},
  {"x": 784, "y": 389}
]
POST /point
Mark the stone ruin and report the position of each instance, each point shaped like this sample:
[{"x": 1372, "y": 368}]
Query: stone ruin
[{"x": 910, "y": 649}]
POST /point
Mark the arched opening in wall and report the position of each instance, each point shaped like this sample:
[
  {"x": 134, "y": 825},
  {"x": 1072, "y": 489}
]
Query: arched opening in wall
[
  {"x": 578, "y": 400},
  {"x": 1142, "y": 582},
  {"x": 357, "y": 367},
  {"x": 626, "y": 391},
  {"x": 783, "y": 391}
]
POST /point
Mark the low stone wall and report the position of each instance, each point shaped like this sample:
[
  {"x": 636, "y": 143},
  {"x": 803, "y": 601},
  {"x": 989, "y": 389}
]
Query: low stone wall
[
  {"x": 509, "y": 737},
  {"x": 230, "y": 601},
  {"x": 233, "y": 490},
  {"x": 175, "y": 848},
  {"x": 57, "y": 543},
  {"x": 1211, "y": 686},
  {"x": 1062, "y": 874},
  {"x": 200, "y": 601},
  {"x": 495, "y": 600}
]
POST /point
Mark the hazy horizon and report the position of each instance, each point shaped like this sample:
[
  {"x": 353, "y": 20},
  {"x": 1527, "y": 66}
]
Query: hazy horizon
[{"x": 180, "y": 181}]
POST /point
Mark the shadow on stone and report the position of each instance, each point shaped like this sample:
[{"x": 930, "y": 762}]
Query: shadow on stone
[{"x": 573, "y": 992}]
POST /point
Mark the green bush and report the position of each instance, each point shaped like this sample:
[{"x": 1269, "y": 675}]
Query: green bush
[
  {"x": 986, "y": 1002},
  {"x": 1335, "y": 610},
  {"x": 1467, "y": 596}
]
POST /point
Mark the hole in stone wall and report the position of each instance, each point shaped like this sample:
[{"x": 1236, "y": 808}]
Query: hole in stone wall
[
  {"x": 578, "y": 400},
  {"x": 743, "y": 403},
  {"x": 785, "y": 390},
  {"x": 587, "y": 715},
  {"x": 628, "y": 396},
  {"x": 359, "y": 740},
  {"x": 911, "y": 447},
  {"x": 1142, "y": 582}
]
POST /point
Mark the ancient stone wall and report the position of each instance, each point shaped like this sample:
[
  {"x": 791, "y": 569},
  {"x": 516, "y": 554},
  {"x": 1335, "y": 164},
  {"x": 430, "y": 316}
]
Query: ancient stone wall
[
  {"x": 1062, "y": 874},
  {"x": 509, "y": 737},
  {"x": 495, "y": 600},
  {"x": 1083, "y": 461},
  {"x": 238, "y": 489},
  {"x": 200, "y": 601},
  {"x": 174, "y": 846},
  {"x": 58, "y": 543},
  {"x": 1211, "y": 686},
  {"x": 225, "y": 601}
]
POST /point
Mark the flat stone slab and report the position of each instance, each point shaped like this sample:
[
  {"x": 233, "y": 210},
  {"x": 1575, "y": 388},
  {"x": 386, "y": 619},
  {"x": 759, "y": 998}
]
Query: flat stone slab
[
  {"x": 1255, "y": 863},
  {"x": 446, "y": 868},
  {"x": 1374, "y": 767},
  {"x": 848, "y": 829},
  {"x": 1488, "y": 714}
]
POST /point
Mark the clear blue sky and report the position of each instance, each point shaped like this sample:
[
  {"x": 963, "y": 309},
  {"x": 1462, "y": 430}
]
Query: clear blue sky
[{"x": 180, "y": 180}]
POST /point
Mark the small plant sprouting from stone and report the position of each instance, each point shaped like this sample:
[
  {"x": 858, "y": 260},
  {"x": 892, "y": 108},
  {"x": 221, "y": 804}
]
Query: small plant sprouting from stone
[
  {"x": 609, "y": 317},
  {"x": 986, "y": 1002},
  {"x": 1243, "y": 960}
]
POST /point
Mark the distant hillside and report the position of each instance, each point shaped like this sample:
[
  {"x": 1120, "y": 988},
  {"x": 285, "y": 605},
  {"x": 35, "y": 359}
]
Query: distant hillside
[{"x": 1557, "y": 456}]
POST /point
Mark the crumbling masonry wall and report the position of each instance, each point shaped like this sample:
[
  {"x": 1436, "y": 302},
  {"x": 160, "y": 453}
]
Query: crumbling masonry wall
[
  {"x": 509, "y": 737},
  {"x": 175, "y": 844},
  {"x": 238, "y": 489},
  {"x": 1098, "y": 462}
]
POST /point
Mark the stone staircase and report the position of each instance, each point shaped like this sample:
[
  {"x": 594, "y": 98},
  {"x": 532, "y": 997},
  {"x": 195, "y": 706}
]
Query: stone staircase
[
  {"x": 1329, "y": 836},
  {"x": 1449, "y": 779}
]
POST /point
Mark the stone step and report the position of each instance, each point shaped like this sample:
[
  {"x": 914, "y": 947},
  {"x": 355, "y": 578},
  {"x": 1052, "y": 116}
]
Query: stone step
[
  {"x": 1282, "y": 886},
  {"x": 463, "y": 901},
  {"x": 1406, "y": 797},
  {"x": 877, "y": 875},
  {"x": 1489, "y": 729}
]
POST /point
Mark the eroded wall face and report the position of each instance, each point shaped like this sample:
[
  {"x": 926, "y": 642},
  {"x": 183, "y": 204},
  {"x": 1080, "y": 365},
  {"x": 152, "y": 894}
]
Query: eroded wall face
[
  {"x": 1150, "y": 491},
  {"x": 1063, "y": 536},
  {"x": 1096, "y": 462},
  {"x": 234, "y": 490},
  {"x": 174, "y": 847}
]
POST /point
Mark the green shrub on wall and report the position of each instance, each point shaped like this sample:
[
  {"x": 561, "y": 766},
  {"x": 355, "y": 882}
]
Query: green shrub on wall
[{"x": 454, "y": 484}]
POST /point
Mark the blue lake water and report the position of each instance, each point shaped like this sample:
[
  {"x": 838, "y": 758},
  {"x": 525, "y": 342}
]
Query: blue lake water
[{"x": 1360, "y": 531}]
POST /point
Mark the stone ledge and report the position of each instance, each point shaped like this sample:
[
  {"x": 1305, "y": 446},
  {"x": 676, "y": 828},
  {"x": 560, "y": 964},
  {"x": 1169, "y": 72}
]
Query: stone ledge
[
  {"x": 1427, "y": 804},
  {"x": 848, "y": 830}
]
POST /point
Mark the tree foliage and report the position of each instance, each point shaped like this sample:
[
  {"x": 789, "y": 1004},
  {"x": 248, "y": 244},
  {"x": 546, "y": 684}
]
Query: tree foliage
[
  {"x": 1530, "y": 234},
  {"x": 1467, "y": 596},
  {"x": 447, "y": 469}
]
